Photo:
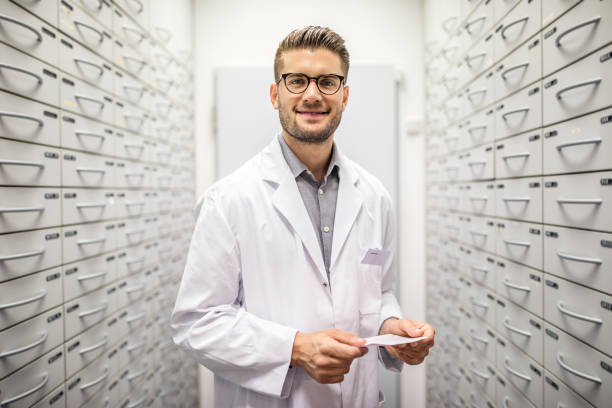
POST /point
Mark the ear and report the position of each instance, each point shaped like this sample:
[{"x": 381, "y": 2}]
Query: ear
[
  {"x": 345, "y": 98},
  {"x": 274, "y": 95}
]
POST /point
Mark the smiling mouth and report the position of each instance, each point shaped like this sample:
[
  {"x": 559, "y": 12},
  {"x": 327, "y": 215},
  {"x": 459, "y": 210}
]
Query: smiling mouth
[{"x": 312, "y": 114}]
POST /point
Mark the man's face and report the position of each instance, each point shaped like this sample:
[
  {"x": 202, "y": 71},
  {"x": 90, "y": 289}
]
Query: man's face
[{"x": 311, "y": 116}]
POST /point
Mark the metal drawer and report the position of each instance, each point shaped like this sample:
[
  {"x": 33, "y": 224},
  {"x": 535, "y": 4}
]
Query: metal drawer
[
  {"x": 55, "y": 399},
  {"x": 29, "y": 340},
  {"x": 27, "y": 120},
  {"x": 480, "y": 232},
  {"x": 553, "y": 9},
  {"x": 131, "y": 260},
  {"x": 579, "y": 256},
  {"x": 480, "y": 266},
  {"x": 131, "y": 289},
  {"x": 26, "y": 76},
  {"x": 133, "y": 348},
  {"x": 133, "y": 174},
  {"x": 576, "y": 34},
  {"x": 131, "y": 89},
  {"x": 481, "y": 303},
  {"x": 89, "y": 346},
  {"x": 483, "y": 373},
  {"x": 519, "y": 199},
  {"x": 134, "y": 375},
  {"x": 134, "y": 203},
  {"x": 582, "y": 312},
  {"x": 520, "y": 242},
  {"x": 87, "y": 170},
  {"x": 579, "y": 200},
  {"x": 578, "y": 145},
  {"x": 521, "y": 285},
  {"x": 128, "y": 32},
  {"x": 517, "y": 26},
  {"x": 84, "y": 64},
  {"x": 103, "y": 13},
  {"x": 85, "y": 276},
  {"x": 508, "y": 396},
  {"x": 521, "y": 328},
  {"x": 86, "y": 240},
  {"x": 481, "y": 338},
  {"x": 519, "y": 112},
  {"x": 87, "y": 205},
  {"x": 131, "y": 118},
  {"x": 88, "y": 310},
  {"x": 581, "y": 367},
  {"x": 557, "y": 394},
  {"x": 28, "y": 165},
  {"x": 139, "y": 10},
  {"x": 83, "y": 385},
  {"x": 480, "y": 93},
  {"x": 45, "y": 10},
  {"x": 519, "y": 156},
  {"x": 129, "y": 60},
  {"x": 581, "y": 88},
  {"x": 479, "y": 22},
  {"x": 520, "y": 370},
  {"x": 80, "y": 133},
  {"x": 478, "y": 163},
  {"x": 132, "y": 146},
  {"x": 85, "y": 29},
  {"x": 82, "y": 98},
  {"x": 25, "y": 252},
  {"x": 29, "y": 208},
  {"x": 479, "y": 58},
  {"x": 33, "y": 381}
]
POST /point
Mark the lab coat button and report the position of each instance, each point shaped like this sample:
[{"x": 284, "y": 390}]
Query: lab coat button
[
  {"x": 320, "y": 191},
  {"x": 326, "y": 229}
]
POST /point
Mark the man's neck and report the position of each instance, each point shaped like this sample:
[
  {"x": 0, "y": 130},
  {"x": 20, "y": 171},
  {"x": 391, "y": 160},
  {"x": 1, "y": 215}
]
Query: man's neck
[{"x": 315, "y": 156}]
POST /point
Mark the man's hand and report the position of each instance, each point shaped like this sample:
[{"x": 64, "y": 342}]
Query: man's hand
[
  {"x": 411, "y": 353},
  {"x": 327, "y": 355}
]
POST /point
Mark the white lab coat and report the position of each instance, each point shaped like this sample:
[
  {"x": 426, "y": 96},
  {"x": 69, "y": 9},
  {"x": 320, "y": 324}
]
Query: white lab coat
[{"x": 255, "y": 276}]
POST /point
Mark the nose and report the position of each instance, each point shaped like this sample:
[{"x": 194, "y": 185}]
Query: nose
[{"x": 312, "y": 91}]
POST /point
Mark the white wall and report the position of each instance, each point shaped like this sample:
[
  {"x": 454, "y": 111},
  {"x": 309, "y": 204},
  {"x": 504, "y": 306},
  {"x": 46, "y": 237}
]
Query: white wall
[{"x": 246, "y": 33}]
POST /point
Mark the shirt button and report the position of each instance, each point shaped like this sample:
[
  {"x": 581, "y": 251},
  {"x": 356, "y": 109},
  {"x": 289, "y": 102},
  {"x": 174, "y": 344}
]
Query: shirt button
[
  {"x": 326, "y": 229},
  {"x": 320, "y": 191},
  {"x": 324, "y": 284}
]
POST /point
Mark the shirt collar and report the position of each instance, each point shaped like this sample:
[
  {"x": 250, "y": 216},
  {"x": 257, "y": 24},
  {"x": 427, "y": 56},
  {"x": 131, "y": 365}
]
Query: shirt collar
[{"x": 295, "y": 164}]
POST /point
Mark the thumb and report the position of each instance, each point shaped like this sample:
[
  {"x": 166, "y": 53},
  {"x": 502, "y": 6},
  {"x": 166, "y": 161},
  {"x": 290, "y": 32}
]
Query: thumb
[
  {"x": 348, "y": 338},
  {"x": 411, "y": 329}
]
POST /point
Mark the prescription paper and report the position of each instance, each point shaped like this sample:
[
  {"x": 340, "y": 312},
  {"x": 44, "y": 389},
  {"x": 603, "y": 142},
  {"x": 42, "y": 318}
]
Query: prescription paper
[{"x": 390, "y": 340}]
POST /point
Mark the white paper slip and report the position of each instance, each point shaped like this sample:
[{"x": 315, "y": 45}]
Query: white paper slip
[
  {"x": 376, "y": 257},
  {"x": 390, "y": 340}
]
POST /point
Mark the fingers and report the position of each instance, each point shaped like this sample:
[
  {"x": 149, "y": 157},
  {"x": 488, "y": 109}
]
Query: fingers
[
  {"x": 347, "y": 338},
  {"x": 411, "y": 327}
]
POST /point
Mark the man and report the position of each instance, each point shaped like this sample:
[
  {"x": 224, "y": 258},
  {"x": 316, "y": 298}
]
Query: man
[{"x": 275, "y": 298}]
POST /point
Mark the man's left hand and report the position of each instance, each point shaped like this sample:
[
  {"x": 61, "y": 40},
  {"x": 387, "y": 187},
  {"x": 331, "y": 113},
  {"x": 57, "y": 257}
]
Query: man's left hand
[{"x": 411, "y": 353}]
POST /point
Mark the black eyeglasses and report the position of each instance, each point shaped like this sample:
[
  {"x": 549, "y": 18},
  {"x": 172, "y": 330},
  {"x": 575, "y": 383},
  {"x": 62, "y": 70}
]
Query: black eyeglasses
[{"x": 328, "y": 84}]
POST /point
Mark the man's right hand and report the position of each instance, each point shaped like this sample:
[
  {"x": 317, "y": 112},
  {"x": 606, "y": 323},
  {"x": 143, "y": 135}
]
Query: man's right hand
[{"x": 327, "y": 355}]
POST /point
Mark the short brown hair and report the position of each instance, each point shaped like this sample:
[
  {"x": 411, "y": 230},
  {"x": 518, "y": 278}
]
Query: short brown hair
[{"x": 312, "y": 37}]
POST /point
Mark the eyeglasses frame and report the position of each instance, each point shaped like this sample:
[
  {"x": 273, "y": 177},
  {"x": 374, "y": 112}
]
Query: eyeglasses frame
[{"x": 316, "y": 79}]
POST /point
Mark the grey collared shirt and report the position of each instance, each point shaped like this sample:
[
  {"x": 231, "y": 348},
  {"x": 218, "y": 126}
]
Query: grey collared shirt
[{"x": 319, "y": 198}]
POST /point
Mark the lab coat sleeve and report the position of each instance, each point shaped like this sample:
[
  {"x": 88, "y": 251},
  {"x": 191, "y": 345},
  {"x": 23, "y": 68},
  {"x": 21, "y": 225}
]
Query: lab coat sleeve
[
  {"x": 390, "y": 306},
  {"x": 209, "y": 322}
]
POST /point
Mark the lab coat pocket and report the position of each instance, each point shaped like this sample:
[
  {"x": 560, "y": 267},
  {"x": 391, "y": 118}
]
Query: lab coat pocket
[
  {"x": 368, "y": 324},
  {"x": 370, "y": 292}
]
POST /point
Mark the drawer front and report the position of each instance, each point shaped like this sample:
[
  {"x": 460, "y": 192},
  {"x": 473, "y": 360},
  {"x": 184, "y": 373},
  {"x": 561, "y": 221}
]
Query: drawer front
[
  {"x": 579, "y": 256},
  {"x": 517, "y": 26},
  {"x": 131, "y": 289},
  {"x": 93, "y": 378},
  {"x": 579, "y": 366},
  {"x": 478, "y": 163},
  {"x": 134, "y": 203},
  {"x": 132, "y": 118},
  {"x": 481, "y": 303},
  {"x": 102, "y": 13},
  {"x": 26, "y": 76},
  {"x": 82, "y": 98},
  {"x": 519, "y": 113},
  {"x": 88, "y": 347},
  {"x": 483, "y": 373},
  {"x": 29, "y": 208},
  {"x": 23, "y": 31},
  {"x": 55, "y": 399},
  {"x": 128, "y": 32},
  {"x": 25, "y": 252},
  {"x": 526, "y": 374},
  {"x": 480, "y": 232},
  {"x": 558, "y": 394},
  {"x": 133, "y": 348},
  {"x": 519, "y": 199},
  {"x": 87, "y": 170},
  {"x": 579, "y": 200},
  {"x": 480, "y": 93},
  {"x": 553, "y": 9},
  {"x": 481, "y": 338},
  {"x": 519, "y": 156},
  {"x": 87, "y": 205},
  {"x": 29, "y": 340},
  {"x": 581, "y": 144},
  {"x": 521, "y": 285},
  {"x": 576, "y": 34},
  {"x": 85, "y": 29},
  {"x": 88, "y": 310},
  {"x": 480, "y": 266},
  {"x": 46, "y": 10},
  {"x": 519, "y": 69},
  {"x": 83, "y": 241},
  {"x": 132, "y": 146},
  {"x": 131, "y": 260},
  {"x": 130, "y": 89},
  {"x": 28, "y": 165},
  {"x": 480, "y": 57},
  {"x": 580, "y": 311},
  {"x": 521, "y": 328},
  {"x": 520, "y": 242},
  {"x": 80, "y": 133},
  {"x": 26, "y": 120},
  {"x": 133, "y": 174},
  {"x": 580, "y": 88},
  {"x": 129, "y": 60},
  {"x": 34, "y": 380},
  {"x": 138, "y": 10},
  {"x": 479, "y": 22},
  {"x": 91, "y": 274},
  {"x": 509, "y": 396},
  {"x": 84, "y": 64}
]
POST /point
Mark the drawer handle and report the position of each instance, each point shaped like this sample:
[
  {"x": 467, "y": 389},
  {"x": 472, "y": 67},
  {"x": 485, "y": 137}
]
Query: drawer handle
[
  {"x": 515, "y": 22},
  {"x": 135, "y": 31},
  {"x": 135, "y": 204},
  {"x": 94, "y": 311},
  {"x": 78, "y": 24},
  {"x": 25, "y": 348},
  {"x": 22, "y": 24},
  {"x": 91, "y": 134},
  {"x": 91, "y": 205},
  {"x": 139, "y": 4},
  {"x": 22, "y": 255},
  {"x": 140, "y": 89},
  {"x": 137, "y": 260},
  {"x": 477, "y": 163},
  {"x": 134, "y": 318},
  {"x": 473, "y": 401},
  {"x": 471, "y": 23},
  {"x": 21, "y": 116},
  {"x": 513, "y": 68},
  {"x": 576, "y": 258},
  {"x": 127, "y": 175},
  {"x": 140, "y": 401},
  {"x": 23, "y": 71},
  {"x": 578, "y": 143},
  {"x": 469, "y": 59},
  {"x": 594, "y": 20},
  {"x": 595, "y": 81},
  {"x": 476, "y": 372},
  {"x": 91, "y": 64},
  {"x": 517, "y": 243},
  {"x": 449, "y": 139},
  {"x": 473, "y": 128},
  {"x": 139, "y": 373},
  {"x": 514, "y": 329},
  {"x": 594, "y": 201},
  {"x": 514, "y": 372},
  {"x": 21, "y": 163},
  {"x": 92, "y": 276},
  {"x": 480, "y": 91},
  {"x": 90, "y": 99},
  {"x": 22, "y": 209},
  {"x": 41, "y": 295},
  {"x": 514, "y": 112},
  {"x": 163, "y": 35},
  {"x": 479, "y": 233},
  {"x": 516, "y": 155},
  {"x": 89, "y": 170},
  {"x": 134, "y": 117},
  {"x": 139, "y": 61},
  {"x": 26, "y": 393},
  {"x": 481, "y": 198},
  {"x": 506, "y": 402},
  {"x": 446, "y": 22},
  {"x": 511, "y": 285},
  {"x": 478, "y": 338},
  {"x": 577, "y": 373},
  {"x": 512, "y": 199},
  {"x": 97, "y": 380},
  {"x": 563, "y": 309},
  {"x": 479, "y": 304},
  {"x": 137, "y": 345},
  {"x": 91, "y": 241},
  {"x": 132, "y": 146},
  {"x": 95, "y": 346},
  {"x": 133, "y": 289},
  {"x": 479, "y": 268}
]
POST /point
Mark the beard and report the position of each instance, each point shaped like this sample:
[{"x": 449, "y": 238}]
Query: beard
[{"x": 289, "y": 125}]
